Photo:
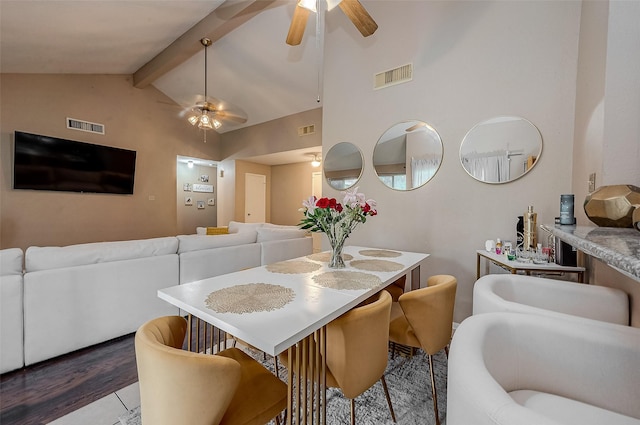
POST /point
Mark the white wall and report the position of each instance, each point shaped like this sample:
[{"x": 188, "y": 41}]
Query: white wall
[
  {"x": 472, "y": 61},
  {"x": 607, "y": 128},
  {"x": 621, "y": 142}
]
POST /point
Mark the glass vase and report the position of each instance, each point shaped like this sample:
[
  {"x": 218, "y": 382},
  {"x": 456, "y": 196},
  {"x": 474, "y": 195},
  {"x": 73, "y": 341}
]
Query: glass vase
[{"x": 336, "y": 261}]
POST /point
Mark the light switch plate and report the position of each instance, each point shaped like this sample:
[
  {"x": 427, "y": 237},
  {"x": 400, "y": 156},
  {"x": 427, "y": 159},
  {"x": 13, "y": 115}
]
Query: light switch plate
[{"x": 592, "y": 182}]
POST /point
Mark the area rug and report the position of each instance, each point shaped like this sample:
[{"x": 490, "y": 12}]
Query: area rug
[{"x": 409, "y": 387}]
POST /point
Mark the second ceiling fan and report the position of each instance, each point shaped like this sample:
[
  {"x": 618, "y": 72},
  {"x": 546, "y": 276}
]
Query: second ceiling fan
[{"x": 352, "y": 8}]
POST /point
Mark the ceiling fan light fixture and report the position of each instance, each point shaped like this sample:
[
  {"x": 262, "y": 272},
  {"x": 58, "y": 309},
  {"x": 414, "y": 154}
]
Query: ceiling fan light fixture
[
  {"x": 193, "y": 119},
  {"x": 216, "y": 124},
  {"x": 205, "y": 121},
  {"x": 315, "y": 162}
]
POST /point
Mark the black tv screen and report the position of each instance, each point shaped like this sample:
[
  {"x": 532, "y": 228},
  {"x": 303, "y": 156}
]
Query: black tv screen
[{"x": 50, "y": 163}]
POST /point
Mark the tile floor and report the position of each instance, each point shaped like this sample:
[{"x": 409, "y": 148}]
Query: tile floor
[{"x": 104, "y": 411}]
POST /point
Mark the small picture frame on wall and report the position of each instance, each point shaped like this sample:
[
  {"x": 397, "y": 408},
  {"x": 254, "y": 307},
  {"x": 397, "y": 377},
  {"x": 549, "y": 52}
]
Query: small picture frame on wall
[
  {"x": 211, "y": 202},
  {"x": 188, "y": 200},
  {"x": 186, "y": 187},
  {"x": 204, "y": 178},
  {"x": 200, "y": 205}
]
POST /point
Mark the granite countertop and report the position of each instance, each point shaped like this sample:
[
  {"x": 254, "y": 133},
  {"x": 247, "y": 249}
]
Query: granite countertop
[{"x": 617, "y": 247}]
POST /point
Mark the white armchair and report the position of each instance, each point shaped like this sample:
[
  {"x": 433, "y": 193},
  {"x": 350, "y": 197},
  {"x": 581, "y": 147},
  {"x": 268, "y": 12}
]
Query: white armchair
[
  {"x": 508, "y": 368},
  {"x": 549, "y": 297}
]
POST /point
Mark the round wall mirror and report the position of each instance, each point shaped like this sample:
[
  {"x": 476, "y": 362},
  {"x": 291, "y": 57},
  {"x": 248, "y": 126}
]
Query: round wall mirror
[
  {"x": 343, "y": 165},
  {"x": 501, "y": 149},
  {"x": 407, "y": 155}
]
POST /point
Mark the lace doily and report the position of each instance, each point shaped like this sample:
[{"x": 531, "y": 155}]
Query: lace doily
[
  {"x": 376, "y": 265},
  {"x": 326, "y": 256},
  {"x": 249, "y": 298},
  {"x": 382, "y": 253},
  {"x": 293, "y": 267},
  {"x": 345, "y": 279}
]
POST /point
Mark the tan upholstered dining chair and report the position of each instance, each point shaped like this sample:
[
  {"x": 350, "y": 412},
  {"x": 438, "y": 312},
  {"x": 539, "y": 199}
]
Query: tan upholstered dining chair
[
  {"x": 357, "y": 349},
  {"x": 423, "y": 318},
  {"x": 181, "y": 387}
]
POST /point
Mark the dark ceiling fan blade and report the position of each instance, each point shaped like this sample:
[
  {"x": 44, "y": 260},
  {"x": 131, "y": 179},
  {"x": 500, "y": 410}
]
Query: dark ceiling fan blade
[
  {"x": 298, "y": 24},
  {"x": 356, "y": 12}
]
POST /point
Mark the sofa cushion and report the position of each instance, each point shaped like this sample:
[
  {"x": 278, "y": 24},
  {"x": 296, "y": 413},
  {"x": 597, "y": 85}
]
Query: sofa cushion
[
  {"x": 198, "y": 242},
  {"x": 55, "y": 257},
  {"x": 274, "y": 234},
  {"x": 217, "y": 231},
  {"x": 237, "y": 227},
  {"x": 11, "y": 261},
  {"x": 567, "y": 411},
  {"x": 212, "y": 231}
]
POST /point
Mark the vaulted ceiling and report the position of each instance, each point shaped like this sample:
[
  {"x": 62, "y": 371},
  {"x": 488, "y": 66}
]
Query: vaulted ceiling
[{"x": 249, "y": 64}]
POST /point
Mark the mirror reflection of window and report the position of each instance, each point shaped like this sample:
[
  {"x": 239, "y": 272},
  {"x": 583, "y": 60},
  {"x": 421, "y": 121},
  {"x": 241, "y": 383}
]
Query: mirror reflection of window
[
  {"x": 343, "y": 165},
  {"x": 501, "y": 149},
  {"x": 407, "y": 155}
]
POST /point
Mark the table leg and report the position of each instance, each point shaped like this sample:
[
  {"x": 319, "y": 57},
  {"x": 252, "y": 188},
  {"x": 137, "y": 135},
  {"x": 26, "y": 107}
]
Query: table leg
[
  {"x": 415, "y": 278},
  {"x": 306, "y": 400},
  {"x": 477, "y": 266},
  {"x": 199, "y": 333}
]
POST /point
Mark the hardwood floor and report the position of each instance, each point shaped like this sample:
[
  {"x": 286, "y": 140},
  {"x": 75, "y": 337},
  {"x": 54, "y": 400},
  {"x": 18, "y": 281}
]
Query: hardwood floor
[{"x": 46, "y": 391}]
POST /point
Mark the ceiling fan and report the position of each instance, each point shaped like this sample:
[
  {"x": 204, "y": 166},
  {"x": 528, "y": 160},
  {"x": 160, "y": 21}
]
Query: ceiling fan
[
  {"x": 352, "y": 8},
  {"x": 210, "y": 113}
]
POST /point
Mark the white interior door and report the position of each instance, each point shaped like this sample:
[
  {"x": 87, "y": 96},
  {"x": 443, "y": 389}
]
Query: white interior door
[{"x": 255, "y": 198}]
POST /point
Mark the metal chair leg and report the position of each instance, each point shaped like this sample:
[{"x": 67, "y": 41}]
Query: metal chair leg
[
  {"x": 386, "y": 394},
  {"x": 353, "y": 412},
  {"x": 433, "y": 390}
]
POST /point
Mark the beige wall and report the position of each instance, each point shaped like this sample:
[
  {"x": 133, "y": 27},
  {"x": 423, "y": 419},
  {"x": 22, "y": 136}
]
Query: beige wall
[
  {"x": 275, "y": 136},
  {"x": 189, "y": 216},
  {"x": 279, "y": 135},
  {"x": 290, "y": 185},
  {"x": 140, "y": 120}
]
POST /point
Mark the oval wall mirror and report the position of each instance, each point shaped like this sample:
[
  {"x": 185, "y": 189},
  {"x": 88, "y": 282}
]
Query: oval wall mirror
[
  {"x": 343, "y": 165},
  {"x": 500, "y": 149},
  {"x": 408, "y": 155}
]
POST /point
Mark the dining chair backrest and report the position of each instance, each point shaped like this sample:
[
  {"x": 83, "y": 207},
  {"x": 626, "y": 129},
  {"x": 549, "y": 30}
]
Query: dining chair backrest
[
  {"x": 429, "y": 312},
  {"x": 357, "y": 345},
  {"x": 176, "y": 385}
]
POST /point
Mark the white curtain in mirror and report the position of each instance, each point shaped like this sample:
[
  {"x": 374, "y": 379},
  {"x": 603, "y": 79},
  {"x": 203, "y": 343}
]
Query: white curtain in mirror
[
  {"x": 422, "y": 169},
  {"x": 492, "y": 167}
]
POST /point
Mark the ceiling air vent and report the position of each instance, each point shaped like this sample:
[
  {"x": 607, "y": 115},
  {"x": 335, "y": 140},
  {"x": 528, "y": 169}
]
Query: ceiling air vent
[
  {"x": 394, "y": 76},
  {"x": 90, "y": 127},
  {"x": 308, "y": 129}
]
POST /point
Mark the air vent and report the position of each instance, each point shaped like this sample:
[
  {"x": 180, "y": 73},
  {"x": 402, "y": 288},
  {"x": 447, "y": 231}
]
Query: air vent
[
  {"x": 306, "y": 130},
  {"x": 90, "y": 127},
  {"x": 394, "y": 76}
]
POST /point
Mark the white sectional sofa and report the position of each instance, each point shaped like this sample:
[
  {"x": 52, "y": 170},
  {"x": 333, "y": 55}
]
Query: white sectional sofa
[
  {"x": 11, "y": 347},
  {"x": 79, "y": 295}
]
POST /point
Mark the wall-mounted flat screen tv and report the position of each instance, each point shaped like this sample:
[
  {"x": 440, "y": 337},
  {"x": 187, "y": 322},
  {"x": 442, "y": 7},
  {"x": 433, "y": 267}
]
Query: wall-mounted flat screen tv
[{"x": 50, "y": 163}]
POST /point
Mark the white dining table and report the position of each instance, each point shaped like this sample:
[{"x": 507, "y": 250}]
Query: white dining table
[{"x": 297, "y": 321}]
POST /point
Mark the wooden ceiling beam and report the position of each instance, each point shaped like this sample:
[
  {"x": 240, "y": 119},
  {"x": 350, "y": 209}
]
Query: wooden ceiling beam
[{"x": 224, "y": 19}]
